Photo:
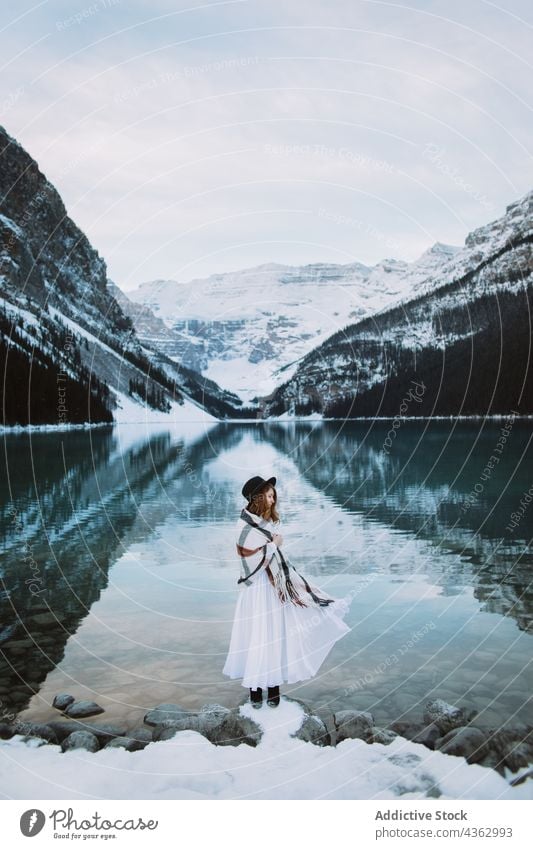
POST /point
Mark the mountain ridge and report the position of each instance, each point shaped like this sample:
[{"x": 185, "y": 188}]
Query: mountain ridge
[
  {"x": 58, "y": 316},
  {"x": 473, "y": 320},
  {"x": 220, "y": 326}
]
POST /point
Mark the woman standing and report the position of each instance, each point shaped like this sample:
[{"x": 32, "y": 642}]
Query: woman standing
[{"x": 283, "y": 627}]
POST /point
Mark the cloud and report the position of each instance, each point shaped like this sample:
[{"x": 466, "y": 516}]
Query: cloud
[{"x": 212, "y": 138}]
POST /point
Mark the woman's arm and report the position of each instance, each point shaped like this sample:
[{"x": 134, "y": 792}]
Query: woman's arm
[{"x": 251, "y": 545}]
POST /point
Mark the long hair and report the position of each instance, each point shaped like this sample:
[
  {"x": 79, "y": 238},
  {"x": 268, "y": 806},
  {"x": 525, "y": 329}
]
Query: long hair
[{"x": 259, "y": 507}]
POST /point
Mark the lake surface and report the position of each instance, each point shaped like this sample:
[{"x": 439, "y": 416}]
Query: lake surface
[{"x": 119, "y": 568}]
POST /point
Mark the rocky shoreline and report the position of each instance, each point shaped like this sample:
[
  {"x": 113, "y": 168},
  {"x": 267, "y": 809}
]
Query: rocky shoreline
[{"x": 443, "y": 727}]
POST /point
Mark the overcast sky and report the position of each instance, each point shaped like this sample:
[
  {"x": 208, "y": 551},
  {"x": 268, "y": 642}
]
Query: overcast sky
[{"x": 188, "y": 138}]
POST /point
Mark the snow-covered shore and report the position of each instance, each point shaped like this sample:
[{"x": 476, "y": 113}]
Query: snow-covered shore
[
  {"x": 188, "y": 413},
  {"x": 188, "y": 766},
  {"x": 129, "y": 412}
]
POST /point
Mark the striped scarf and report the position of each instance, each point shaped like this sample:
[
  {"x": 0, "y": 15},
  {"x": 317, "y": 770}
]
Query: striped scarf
[{"x": 279, "y": 572}]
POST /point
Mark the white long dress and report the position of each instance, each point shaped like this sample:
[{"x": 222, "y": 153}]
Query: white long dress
[{"x": 274, "y": 642}]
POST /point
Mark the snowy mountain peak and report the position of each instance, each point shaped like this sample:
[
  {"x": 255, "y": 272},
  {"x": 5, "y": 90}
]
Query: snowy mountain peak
[
  {"x": 470, "y": 317},
  {"x": 523, "y": 206},
  {"x": 60, "y": 321},
  {"x": 440, "y": 250},
  {"x": 517, "y": 219},
  {"x": 247, "y": 329}
]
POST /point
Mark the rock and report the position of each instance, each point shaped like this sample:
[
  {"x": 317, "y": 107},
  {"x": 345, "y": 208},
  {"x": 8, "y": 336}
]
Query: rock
[
  {"x": 406, "y": 728},
  {"x": 36, "y": 729},
  {"x": 63, "y": 729},
  {"x": 328, "y": 718},
  {"x": 211, "y": 715},
  {"x": 165, "y": 712},
  {"x": 519, "y": 756},
  {"x": 102, "y": 732},
  {"x": 234, "y": 730},
  {"x": 427, "y": 736},
  {"x": 82, "y": 709},
  {"x": 467, "y": 742},
  {"x": 62, "y": 701},
  {"x": 127, "y": 743},
  {"x": 313, "y": 730},
  {"x": 513, "y": 748},
  {"x": 492, "y": 761},
  {"x": 521, "y": 778},
  {"x": 210, "y": 719},
  {"x": 383, "y": 735},
  {"x": 354, "y": 724},
  {"x": 166, "y": 730},
  {"x": 80, "y": 740},
  {"x": 143, "y": 735},
  {"x": 444, "y": 715},
  {"x": 6, "y": 731}
]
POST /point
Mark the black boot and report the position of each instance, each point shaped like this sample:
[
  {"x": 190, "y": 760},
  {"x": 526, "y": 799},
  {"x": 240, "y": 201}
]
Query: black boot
[
  {"x": 256, "y": 697},
  {"x": 273, "y": 696}
]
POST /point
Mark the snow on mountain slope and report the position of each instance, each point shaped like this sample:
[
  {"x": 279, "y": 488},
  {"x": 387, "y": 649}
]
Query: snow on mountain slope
[
  {"x": 465, "y": 333},
  {"x": 67, "y": 349},
  {"x": 247, "y": 329}
]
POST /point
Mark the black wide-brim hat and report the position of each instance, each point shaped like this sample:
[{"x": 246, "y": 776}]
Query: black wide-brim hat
[{"x": 252, "y": 486}]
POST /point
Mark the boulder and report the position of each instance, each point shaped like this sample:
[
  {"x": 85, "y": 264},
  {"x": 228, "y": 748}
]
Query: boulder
[
  {"x": 36, "y": 729},
  {"x": 467, "y": 742},
  {"x": 63, "y": 729},
  {"x": 406, "y": 728},
  {"x": 167, "y": 729},
  {"x": 82, "y": 709},
  {"x": 313, "y": 730},
  {"x": 513, "y": 747},
  {"x": 328, "y": 718},
  {"x": 210, "y": 719},
  {"x": 518, "y": 756},
  {"x": 235, "y": 729},
  {"x": 492, "y": 761},
  {"x": 62, "y": 701},
  {"x": 6, "y": 731},
  {"x": 521, "y": 778},
  {"x": 102, "y": 732},
  {"x": 127, "y": 743},
  {"x": 80, "y": 740},
  {"x": 383, "y": 735},
  {"x": 143, "y": 735},
  {"x": 444, "y": 715},
  {"x": 165, "y": 712},
  {"x": 428, "y": 736},
  {"x": 354, "y": 724}
]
